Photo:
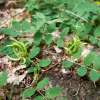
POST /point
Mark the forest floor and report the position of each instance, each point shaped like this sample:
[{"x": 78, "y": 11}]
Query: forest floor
[{"x": 74, "y": 87}]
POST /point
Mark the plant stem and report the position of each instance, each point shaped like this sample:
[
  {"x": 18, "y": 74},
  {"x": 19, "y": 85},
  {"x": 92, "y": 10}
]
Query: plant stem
[{"x": 76, "y": 15}]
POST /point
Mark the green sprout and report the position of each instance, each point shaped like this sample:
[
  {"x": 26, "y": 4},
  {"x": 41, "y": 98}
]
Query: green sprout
[
  {"x": 19, "y": 49},
  {"x": 73, "y": 45}
]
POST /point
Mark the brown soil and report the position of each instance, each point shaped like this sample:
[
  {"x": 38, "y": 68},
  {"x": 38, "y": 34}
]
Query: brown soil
[{"x": 75, "y": 88}]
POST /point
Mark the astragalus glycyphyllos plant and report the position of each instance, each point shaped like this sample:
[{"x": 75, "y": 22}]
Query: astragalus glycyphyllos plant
[
  {"x": 80, "y": 18},
  {"x": 89, "y": 67},
  {"x": 45, "y": 94}
]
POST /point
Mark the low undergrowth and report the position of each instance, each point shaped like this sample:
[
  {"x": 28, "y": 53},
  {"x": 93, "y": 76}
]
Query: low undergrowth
[{"x": 68, "y": 25}]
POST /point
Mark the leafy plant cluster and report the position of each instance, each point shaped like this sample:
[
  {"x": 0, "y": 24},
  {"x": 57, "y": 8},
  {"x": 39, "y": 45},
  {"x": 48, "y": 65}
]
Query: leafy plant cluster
[
  {"x": 47, "y": 94},
  {"x": 79, "y": 18},
  {"x": 90, "y": 65}
]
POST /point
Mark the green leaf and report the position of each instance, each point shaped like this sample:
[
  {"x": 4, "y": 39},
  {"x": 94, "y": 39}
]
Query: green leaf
[
  {"x": 99, "y": 43},
  {"x": 28, "y": 92},
  {"x": 16, "y": 25},
  {"x": 48, "y": 39},
  {"x": 44, "y": 62},
  {"x": 42, "y": 83},
  {"x": 93, "y": 39},
  {"x": 31, "y": 5},
  {"x": 96, "y": 62},
  {"x": 79, "y": 27},
  {"x": 3, "y": 78},
  {"x": 59, "y": 42},
  {"x": 7, "y": 51},
  {"x": 30, "y": 70},
  {"x": 10, "y": 32},
  {"x": 81, "y": 71},
  {"x": 51, "y": 27},
  {"x": 37, "y": 38},
  {"x": 97, "y": 31},
  {"x": 26, "y": 26},
  {"x": 67, "y": 64},
  {"x": 17, "y": 28},
  {"x": 64, "y": 32},
  {"x": 88, "y": 60},
  {"x": 78, "y": 53},
  {"x": 38, "y": 20},
  {"x": 34, "y": 52},
  {"x": 53, "y": 92},
  {"x": 94, "y": 75},
  {"x": 87, "y": 29},
  {"x": 39, "y": 98}
]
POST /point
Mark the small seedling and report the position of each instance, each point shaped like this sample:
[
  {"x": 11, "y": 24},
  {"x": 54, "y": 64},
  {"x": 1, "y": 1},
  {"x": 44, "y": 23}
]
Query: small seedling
[
  {"x": 20, "y": 50},
  {"x": 72, "y": 46}
]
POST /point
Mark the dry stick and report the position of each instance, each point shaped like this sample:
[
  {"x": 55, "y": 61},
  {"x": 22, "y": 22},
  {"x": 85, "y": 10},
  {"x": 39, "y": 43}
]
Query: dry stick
[
  {"x": 94, "y": 84},
  {"x": 42, "y": 95},
  {"x": 5, "y": 22},
  {"x": 50, "y": 67}
]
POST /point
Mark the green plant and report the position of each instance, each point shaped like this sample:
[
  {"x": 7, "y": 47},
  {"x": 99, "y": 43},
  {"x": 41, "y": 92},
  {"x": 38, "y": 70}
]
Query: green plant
[
  {"x": 44, "y": 94},
  {"x": 80, "y": 18},
  {"x": 3, "y": 78},
  {"x": 19, "y": 49},
  {"x": 90, "y": 64},
  {"x": 17, "y": 28},
  {"x": 72, "y": 46}
]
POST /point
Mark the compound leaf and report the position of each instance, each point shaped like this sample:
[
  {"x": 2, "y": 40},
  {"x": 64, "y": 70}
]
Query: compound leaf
[
  {"x": 88, "y": 60},
  {"x": 53, "y": 92},
  {"x": 34, "y": 52},
  {"x": 94, "y": 75},
  {"x": 67, "y": 64},
  {"x": 81, "y": 71},
  {"x": 28, "y": 92},
  {"x": 42, "y": 83},
  {"x": 44, "y": 62}
]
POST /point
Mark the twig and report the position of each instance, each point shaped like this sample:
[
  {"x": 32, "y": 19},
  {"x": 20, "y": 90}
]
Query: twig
[
  {"x": 94, "y": 84},
  {"x": 50, "y": 67}
]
